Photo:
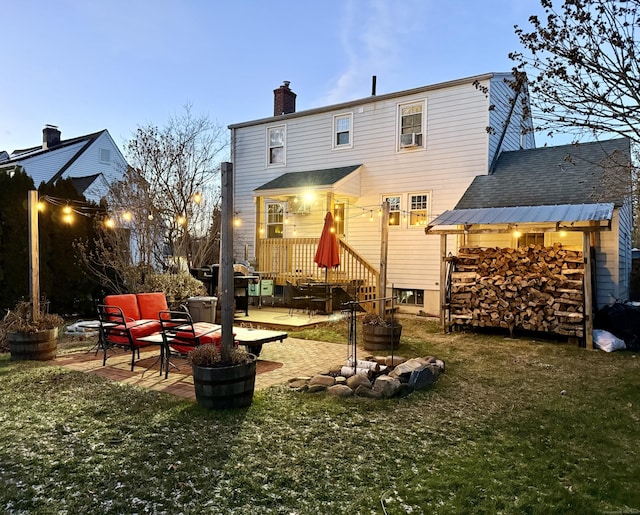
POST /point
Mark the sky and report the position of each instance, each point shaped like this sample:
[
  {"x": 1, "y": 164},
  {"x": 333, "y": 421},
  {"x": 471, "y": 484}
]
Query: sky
[{"x": 86, "y": 66}]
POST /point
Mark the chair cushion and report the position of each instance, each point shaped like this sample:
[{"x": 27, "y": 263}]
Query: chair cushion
[
  {"x": 137, "y": 329},
  {"x": 150, "y": 304},
  {"x": 127, "y": 302},
  {"x": 200, "y": 328}
]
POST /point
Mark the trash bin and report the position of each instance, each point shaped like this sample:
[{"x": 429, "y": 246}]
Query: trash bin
[{"x": 202, "y": 309}]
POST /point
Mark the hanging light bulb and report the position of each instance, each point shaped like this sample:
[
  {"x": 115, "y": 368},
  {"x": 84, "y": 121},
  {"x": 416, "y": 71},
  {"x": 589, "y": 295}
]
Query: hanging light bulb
[
  {"x": 181, "y": 220},
  {"x": 109, "y": 223},
  {"x": 379, "y": 211},
  {"x": 127, "y": 216},
  {"x": 294, "y": 230},
  {"x": 371, "y": 216},
  {"x": 40, "y": 205},
  {"x": 197, "y": 197},
  {"x": 66, "y": 210}
]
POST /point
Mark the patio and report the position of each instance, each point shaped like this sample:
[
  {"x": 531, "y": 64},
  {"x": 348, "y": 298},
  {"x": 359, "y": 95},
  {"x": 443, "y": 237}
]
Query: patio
[{"x": 278, "y": 362}]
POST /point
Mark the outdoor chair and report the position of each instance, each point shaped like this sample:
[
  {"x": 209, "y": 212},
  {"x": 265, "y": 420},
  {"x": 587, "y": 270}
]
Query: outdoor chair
[
  {"x": 299, "y": 298},
  {"x": 116, "y": 330},
  {"x": 181, "y": 335}
]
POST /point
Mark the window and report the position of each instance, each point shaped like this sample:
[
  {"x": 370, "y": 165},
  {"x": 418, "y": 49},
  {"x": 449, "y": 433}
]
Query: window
[
  {"x": 394, "y": 209},
  {"x": 411, "y": 125},
  {"x": 409, "y": 296},
  {"x": 276, "y": 145},
  {"x": 418, "y": 209},
  {"x": 275, "y": 220},
  {"x": 105, "y": 155},
  {"x": 342, "y": 131}
]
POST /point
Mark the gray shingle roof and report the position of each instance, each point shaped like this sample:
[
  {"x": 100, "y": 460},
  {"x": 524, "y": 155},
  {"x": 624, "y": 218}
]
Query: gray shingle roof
[
  {"x": 566, "y": 174},
  {"x": 316, "y": 178}
]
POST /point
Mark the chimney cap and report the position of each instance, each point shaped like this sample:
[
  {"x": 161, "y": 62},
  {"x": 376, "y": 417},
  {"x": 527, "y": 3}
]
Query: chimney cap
[{"x": 286, "y": 83}]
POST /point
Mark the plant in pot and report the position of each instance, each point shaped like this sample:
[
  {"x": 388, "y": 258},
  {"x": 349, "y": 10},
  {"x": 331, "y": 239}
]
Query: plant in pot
[
  {"x": 223, "y": 380},
  {"x": 29, "y": 337},
  {"x": 380, "y": 332}
]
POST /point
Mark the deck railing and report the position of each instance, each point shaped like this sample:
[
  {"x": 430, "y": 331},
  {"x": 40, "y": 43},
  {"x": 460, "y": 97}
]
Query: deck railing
[{"x": 290, "y": 260}]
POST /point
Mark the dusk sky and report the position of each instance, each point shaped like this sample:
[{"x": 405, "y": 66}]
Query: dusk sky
[{"x": 86, "y": 66}]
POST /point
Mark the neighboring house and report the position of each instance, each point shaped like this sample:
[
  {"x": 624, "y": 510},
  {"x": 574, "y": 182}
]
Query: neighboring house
[
  {"x": 418, "y": 149},
  {"x": 92, "y": 161},
  {"x": 577, "y": 196}
]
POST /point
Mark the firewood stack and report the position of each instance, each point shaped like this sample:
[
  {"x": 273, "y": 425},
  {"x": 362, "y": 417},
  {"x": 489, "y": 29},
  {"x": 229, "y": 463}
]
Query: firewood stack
[{"x": 534, "y": 288}]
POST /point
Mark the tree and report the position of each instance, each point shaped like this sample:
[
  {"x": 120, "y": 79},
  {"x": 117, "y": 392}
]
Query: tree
[
  {"x": 585, "y": 55},
  {"x": 165, "y": 212}
]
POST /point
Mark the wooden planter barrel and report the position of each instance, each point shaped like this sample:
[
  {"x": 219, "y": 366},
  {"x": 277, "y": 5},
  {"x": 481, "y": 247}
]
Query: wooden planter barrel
[
  {"x": 39, "y": 346},
  {"x": 225, "y": 387},
  {"x": 377, "y": 337}
]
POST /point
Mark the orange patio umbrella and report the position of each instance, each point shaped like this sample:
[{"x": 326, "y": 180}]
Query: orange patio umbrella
[{"x": 327, "y": 255}]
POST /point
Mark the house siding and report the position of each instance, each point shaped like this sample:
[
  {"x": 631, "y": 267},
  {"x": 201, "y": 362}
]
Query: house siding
[{"x": 456, "y": 145}]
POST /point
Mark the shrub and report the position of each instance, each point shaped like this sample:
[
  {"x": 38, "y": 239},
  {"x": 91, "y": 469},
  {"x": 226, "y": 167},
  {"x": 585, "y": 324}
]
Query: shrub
[
  {"x": 210, "y": 355},
  {"x": 177, "y": 288}
]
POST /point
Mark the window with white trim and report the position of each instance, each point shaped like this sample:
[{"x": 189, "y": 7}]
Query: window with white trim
[
  {"x": 342, "y": 130},
  {"x": 276, "y": 145},
  {"x": 418, "y": 209},
  {"x": 275, "y": 220},
  {"x": 410, "y": 125},
  {"x": 394, "y": 209}
]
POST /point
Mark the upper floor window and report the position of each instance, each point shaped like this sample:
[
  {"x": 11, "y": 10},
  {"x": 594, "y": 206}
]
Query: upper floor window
[
  {"x": 411, "y": 125},
  {"x": 418, "y": 209},
  {"x": 105, "y": 155},
  {"x": 394, "y": 209},
  {"x": 342, "y": 130},
  {"x": 276, "y": 145}
]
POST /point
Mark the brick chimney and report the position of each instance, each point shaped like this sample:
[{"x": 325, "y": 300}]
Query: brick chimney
[
  {"x": 284, "y": 100},
  {"x": 50, "y": 136}
]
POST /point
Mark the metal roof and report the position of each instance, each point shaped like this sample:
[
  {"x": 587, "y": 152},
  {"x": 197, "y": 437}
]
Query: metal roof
[{"x": 563, "y": 213}]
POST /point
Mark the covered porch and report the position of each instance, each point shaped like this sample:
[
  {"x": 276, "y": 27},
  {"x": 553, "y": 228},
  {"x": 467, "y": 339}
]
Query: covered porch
[{"x": 289, "y": 212}]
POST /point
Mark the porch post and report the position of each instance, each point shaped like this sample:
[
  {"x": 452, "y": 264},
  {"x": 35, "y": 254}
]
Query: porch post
[{"x": 258, "y": 237}]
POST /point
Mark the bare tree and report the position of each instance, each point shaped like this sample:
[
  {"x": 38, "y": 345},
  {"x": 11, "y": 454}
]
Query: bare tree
[
  {"x": 164, "y": 214},
  {"x": 585, "y": 54}
]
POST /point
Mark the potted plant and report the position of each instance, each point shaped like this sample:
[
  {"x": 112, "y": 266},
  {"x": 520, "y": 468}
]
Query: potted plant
[
  {"x": 223, "y": 382},
  {"x": 29, "y": 337},
  {"x": 380, "y": 332}
]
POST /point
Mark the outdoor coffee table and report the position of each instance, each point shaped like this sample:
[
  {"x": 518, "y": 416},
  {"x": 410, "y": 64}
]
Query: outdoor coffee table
[{"x": 253, "y": 339}]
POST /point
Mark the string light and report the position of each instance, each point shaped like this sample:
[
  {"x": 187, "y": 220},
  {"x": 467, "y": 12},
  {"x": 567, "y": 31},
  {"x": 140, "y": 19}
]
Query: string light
[
  {"x": 127, "y": 216},
  {"x": 181, "y": 220},
  {"x": 109, "y": 223},
  {"x": 197, "y": 197},
  {"x": 371, "y": 216}
]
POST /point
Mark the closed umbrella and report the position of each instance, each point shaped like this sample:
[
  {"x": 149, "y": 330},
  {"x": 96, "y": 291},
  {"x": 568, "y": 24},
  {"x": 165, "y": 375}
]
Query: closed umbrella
[{"x": 327, "y": 255}]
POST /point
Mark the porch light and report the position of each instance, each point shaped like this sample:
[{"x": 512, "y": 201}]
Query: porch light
[
  {"x": 236, "y": 222},
  {"x": 563, "y": 234},
  {"x": 516, "y": 233}
]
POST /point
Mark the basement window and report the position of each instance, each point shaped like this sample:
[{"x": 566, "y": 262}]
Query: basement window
[{"x": 409, "y": 297}]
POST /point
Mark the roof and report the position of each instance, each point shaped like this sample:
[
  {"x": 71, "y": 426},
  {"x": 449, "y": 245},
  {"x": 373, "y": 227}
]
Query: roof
[
  {"x": 566, "y": 174},
  {"x": 565, "y": 213},
  {"x": 314, "y": 178},
  {"x": 82, "y": 183},
  {"x": 366, "y": 100},
  {"x": 20, "y": 155}
]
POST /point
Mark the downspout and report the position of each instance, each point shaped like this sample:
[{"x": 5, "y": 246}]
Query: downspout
[{"x": 494, "y": 160}]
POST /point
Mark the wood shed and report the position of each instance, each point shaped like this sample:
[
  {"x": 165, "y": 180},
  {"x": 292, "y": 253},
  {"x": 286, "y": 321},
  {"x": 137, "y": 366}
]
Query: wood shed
[{"x": 541, "y": 242}]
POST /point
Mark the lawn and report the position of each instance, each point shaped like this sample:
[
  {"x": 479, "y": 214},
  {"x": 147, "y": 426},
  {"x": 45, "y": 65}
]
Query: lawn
[{"x": 514, "y": 426}]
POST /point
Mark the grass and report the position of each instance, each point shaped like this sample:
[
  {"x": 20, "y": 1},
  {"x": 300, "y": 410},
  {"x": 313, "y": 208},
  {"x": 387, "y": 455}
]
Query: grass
[{"x": 514, "y": 426}]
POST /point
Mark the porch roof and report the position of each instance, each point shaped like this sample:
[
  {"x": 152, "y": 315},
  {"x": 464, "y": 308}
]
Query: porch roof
[{"x": 329, "y": 179}]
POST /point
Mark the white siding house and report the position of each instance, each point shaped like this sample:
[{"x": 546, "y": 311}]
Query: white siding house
[
  {"x": 419, "y": 149},
  {"x": 92, "y": 161}
]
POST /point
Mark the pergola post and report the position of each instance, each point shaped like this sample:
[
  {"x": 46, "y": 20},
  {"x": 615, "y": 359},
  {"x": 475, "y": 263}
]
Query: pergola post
[{"x": 34, "y": 254}]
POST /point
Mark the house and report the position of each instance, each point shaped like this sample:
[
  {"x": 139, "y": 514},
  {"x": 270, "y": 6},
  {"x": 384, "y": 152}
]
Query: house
[
  {"x": 575, "y": 197},
  {"x": 418, "y": 150},
  {"x": 91, "y": 161}
]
